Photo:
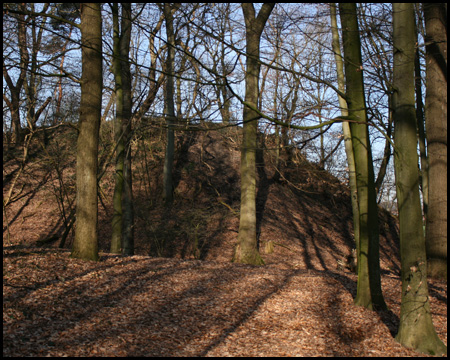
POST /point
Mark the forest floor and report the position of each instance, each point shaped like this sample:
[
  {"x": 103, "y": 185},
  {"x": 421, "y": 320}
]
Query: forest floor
[
  {"x": 144, "y": 306},
  {"x": 180, "y": 295}
]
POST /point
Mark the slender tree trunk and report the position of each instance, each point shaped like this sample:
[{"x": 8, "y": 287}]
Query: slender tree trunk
[
  {"x": 247, "y": 250},
  {"x": 345, "y": 124},
  {"x": 116, "y": 239},
  {"x": 225, "y": 68},
  {"x": 369, "y": 281},
  {"x": 85, "y": 245},
  {"x": 386, "y": 153},
  {"x": 169, "y": 108},
  {"x": 416, "y": 327},
  {"x": 127, "y": 196},
  {"x": 420, "y": 118},
  {"x": 436, "y": 125}
]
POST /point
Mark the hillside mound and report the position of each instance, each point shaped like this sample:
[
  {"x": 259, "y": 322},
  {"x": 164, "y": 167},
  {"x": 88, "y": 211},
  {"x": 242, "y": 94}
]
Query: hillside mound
[{"x": 303, "y": 212}]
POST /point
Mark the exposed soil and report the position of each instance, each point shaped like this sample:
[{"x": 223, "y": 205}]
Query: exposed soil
[{"x": 180, "y": 295}]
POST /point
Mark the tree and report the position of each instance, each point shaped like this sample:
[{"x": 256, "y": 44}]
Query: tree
[
  {"x": 221, "y": 65},
  {"x": 378, "y": 76},
  {"x": 122, "y": 229},
  {"x": 30, "y": 45},
  {"x": 369, "y": 282},
  {"x": 60, "y": 41},
  {"x": 345, "y": 125},
  {"x": 116, "y": 238},
  {"x": 247, "y": 250},
  {"x": 15, "y": 89},
  {"x": 154, "y": 83},
  {"x": 436, "y": 125},
  {"x": 33, "y": 78},
  {"x": 416, "y": 327},
  {"x": 127, "y": 196},
  {"x": 85, "y": 245}
]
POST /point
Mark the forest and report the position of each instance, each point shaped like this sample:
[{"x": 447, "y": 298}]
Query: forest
[{"x": 224, "y": 179}]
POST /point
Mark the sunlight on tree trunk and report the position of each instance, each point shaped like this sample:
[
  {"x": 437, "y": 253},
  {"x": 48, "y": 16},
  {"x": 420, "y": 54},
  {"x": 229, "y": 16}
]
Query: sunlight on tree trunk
[
  {"x": 85, "y": 245},
  {"x": 416, "y": 327},
  {"x": 369, "y": 279},
  {"x": 345, "y": 125},
  {"x": 247, "y": 250}
]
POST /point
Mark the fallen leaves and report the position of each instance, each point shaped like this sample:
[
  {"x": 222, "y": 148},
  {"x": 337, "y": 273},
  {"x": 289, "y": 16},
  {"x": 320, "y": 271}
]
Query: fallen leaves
[{"x": 141, "y": 306}]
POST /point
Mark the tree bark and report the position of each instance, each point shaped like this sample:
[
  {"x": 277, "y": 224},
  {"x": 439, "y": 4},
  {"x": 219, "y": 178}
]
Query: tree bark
[
  {"x": 247, "y": 250},
  {"x": 369, "y": 281},
  {"x": 85, "y": 245},
  {"x": 345, "y": 124},
  {"x": 122, "y": 230},
  {"x": 436, "y": 125},
  {"x": 169, "y": 107},
  {"x": 127, "y": 196},
  {"x": 416, "y": 327},
  {"x": 116, "y": 238}
]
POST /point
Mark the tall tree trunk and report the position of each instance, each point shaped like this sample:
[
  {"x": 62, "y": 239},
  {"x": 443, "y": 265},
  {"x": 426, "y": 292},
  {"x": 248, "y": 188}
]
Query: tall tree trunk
[
  {"x": 127, "y": 196},
  {"x": 369, "y": 281},
  {"x": 116, "y": 239},
  {"x": 169, "y": 108},
  {"x": 345, "y": 124},
  {"x": 122, "y": 229},
  {"x": 436, "y": 125},
  {"x": 85, "y": 245},
  {"x": 247, "y": 250},
  {"x": 416, "y": 327}
]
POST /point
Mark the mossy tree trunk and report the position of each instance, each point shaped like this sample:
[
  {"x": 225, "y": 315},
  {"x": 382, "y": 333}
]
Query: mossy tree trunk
[
  {"x": 85, "y": 245},
  {"x": 122, "y": 223},
  {"x": 416, "y": 327},
  {"x": 369, "y": 292},
  {"x": 247, "y": 250}
]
